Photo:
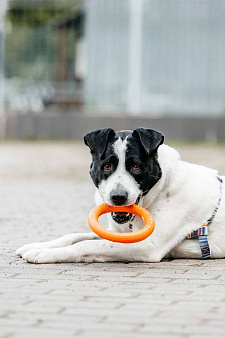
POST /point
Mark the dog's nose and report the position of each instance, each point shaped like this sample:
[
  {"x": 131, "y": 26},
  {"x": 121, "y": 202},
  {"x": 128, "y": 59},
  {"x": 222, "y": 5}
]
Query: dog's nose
[{"x": 119, "y": 197}]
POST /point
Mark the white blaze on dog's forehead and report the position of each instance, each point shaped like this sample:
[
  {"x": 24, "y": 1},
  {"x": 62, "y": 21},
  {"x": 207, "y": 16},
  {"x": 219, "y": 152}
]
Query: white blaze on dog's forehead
[
  {"x": 120, "y": 148},
  {"x": 120, "y": 178}
]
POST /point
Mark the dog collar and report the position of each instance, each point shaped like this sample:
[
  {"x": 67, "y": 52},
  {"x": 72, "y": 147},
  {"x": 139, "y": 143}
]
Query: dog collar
[{"x": 202, "y": 232}]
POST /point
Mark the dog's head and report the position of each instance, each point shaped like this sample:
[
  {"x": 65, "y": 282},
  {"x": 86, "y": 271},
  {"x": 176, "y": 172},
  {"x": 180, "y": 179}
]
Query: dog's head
[{"x": 124, "y": 164}]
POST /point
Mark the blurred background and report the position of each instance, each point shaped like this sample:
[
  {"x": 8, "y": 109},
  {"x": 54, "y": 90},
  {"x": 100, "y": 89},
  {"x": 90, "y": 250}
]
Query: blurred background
[{"x": 71, "y": 66}]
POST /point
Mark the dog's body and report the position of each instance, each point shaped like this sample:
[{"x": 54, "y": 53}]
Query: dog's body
[{"x": 180, "y": 196}]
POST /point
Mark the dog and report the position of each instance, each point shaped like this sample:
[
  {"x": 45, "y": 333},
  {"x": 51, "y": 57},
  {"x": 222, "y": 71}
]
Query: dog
[{"x": 137, "y": 167}]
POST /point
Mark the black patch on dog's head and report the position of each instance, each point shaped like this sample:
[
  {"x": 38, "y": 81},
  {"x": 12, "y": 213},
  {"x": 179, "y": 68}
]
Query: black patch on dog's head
[
  {"x": 97, "y": 140},
  {"x": 142, "y": 154},
  {"x": 100, "y": 143},
  {"x": 150, "y": 139}
]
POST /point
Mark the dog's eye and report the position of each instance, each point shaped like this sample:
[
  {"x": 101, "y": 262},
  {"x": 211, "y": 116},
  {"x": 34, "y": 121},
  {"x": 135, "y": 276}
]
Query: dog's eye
[
  {"x": 136, "y": 168},
  {"x": 107, "y": 167}
]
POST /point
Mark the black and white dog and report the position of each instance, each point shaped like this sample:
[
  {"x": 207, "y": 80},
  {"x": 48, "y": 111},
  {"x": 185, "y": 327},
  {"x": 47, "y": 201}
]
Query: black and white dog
[{"x": 135, "y": 165}]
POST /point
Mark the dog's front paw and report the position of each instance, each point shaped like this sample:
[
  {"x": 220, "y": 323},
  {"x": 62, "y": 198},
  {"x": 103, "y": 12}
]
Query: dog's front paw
[
  {"x": 39, "y": 256},
  {"x": 27, "y": 247}
]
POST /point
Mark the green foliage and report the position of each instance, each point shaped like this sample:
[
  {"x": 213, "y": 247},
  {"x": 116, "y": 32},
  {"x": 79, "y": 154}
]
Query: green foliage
[
  {"x": 32, "y": 43},
  {"x": 41, "y": 12},
  {"x": 35, "y": 17}
]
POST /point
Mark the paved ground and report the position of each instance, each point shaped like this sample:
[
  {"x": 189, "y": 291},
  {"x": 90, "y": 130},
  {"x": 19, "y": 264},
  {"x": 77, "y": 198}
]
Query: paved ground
[{"x": 46, "y": 193}]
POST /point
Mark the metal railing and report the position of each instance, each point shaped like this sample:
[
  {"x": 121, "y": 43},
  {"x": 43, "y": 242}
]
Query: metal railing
[{"x": 40, "y": 52}]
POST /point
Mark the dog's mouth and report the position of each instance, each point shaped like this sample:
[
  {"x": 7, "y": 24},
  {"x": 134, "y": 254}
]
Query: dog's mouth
[{"x": 121, "y": 217}]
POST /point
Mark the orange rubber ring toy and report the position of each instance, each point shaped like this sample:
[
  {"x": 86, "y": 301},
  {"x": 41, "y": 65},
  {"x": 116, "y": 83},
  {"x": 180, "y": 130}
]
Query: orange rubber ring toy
[{"x": 125, "y": 237}]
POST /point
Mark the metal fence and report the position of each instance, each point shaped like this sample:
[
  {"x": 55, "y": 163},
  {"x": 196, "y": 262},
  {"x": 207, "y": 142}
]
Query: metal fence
[{"x": 41, "y": 38}]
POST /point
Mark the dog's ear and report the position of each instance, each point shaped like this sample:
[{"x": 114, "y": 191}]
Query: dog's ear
[
  {"x": 150, "y": 139},
  {"x": 97, "y": 140}
]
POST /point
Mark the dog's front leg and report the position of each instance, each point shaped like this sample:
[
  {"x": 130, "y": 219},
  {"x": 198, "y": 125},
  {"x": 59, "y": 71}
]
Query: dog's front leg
[
  {"x": 92, "y": 251},
  {"x": 57, "y": 243}
]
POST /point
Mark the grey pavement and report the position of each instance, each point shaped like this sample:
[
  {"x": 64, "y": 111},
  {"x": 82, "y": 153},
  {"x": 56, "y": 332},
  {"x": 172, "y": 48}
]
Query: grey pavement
[{"x": 46, "y": 193}]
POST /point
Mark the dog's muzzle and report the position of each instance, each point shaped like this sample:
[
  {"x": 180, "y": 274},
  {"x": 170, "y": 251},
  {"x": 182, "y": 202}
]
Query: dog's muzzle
[{"x": 121, "y": 217}]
